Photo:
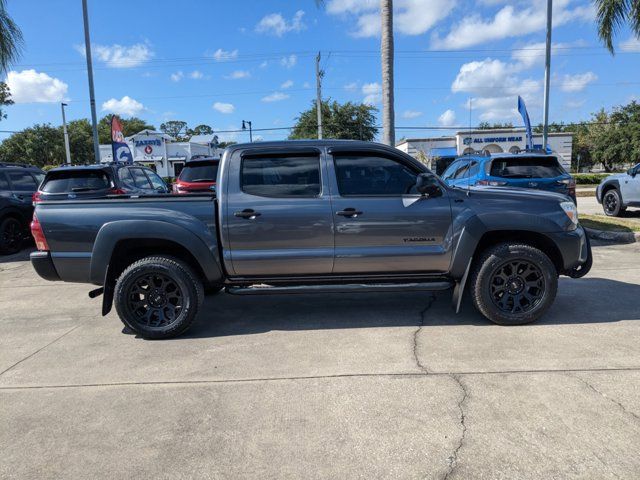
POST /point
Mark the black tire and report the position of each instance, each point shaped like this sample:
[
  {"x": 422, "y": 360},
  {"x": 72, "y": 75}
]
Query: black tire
[
  {"x": 513, "y": 284},
  {"x": 158, "y": 297},
  {"x": 612, "y": 203},
  {"x": 11, "y": 235}
]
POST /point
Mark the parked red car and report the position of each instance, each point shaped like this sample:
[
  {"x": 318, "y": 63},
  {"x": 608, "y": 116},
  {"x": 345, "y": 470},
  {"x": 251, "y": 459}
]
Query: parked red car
[{"x": 197, "y": 176}]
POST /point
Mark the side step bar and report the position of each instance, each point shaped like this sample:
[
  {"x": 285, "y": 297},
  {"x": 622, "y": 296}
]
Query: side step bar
[{"x": 264, "y": 289}]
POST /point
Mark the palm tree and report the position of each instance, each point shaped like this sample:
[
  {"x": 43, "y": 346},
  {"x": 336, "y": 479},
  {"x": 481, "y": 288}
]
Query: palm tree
[
  {"x": 386, "y": 51},
  {"x": 612, "y": 15},
  {"x": 10, "y": 39}
]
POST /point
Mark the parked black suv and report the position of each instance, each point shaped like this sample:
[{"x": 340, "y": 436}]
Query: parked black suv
[
  {"x": 18, "y": 183},
  {"x": 99, "y": 181}
]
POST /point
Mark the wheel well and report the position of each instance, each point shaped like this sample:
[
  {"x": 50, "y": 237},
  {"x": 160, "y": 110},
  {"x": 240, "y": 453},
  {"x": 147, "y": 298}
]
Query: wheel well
[
  {"x": 606, "y": 188},
  {"x": 534, "y": 239},
  {"x": 126, "y": 252}
]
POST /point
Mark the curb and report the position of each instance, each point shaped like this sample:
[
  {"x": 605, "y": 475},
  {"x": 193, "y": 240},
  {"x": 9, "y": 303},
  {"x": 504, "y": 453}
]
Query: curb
[{"x": 615, "y": 237}]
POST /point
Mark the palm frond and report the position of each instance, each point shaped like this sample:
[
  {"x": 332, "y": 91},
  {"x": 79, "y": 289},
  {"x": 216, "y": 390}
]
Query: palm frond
[
  {"x": 634, "y": 17},
  {"x": 11, "y": 40},
  {"x": 611, "y": 16}
]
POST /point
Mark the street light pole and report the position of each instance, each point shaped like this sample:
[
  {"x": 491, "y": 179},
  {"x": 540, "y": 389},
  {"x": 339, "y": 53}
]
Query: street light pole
[
  {"x": 66, "y": 134},
  {"x": 244, "y": 127},
  {"x": 547, "y": 76},
  {"x": 92, "y": 96}
]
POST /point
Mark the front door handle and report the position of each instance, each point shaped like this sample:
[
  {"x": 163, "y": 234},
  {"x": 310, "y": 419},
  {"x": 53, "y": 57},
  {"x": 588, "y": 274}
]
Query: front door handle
[
  {"x": 248, "y": 214},
  {"x": 349, "y": 212}
]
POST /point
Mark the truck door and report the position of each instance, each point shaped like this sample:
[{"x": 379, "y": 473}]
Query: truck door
[
  {"x": 383, "y": 225},
  {"x": 630, "y": 187},
  {"x": 277, "y": 217}
]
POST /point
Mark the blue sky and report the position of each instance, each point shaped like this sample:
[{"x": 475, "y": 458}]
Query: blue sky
[{"x": 221, "y": 62}]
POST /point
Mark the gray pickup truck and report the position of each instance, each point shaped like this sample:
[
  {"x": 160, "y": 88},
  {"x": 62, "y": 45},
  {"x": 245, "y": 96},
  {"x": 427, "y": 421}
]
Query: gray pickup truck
[{"x": 313, "y": 216}]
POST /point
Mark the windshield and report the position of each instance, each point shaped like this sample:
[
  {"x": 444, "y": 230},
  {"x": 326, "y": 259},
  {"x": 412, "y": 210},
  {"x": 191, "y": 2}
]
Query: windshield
[
  {"x": 200, "y": 171},
  {"x": 526, "y": 167},
  {"x": 75, "y": 181}
]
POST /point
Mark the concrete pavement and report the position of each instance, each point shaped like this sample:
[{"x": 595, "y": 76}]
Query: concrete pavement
[{"x": 324, "y": 386}]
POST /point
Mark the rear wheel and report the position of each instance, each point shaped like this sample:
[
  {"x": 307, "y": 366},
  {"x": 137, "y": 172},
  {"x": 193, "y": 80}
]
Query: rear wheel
[
  {"x": 513, "y": 284},
  {"x": 612, "y": 203},
  {"x": 158, "y": 297},
  {"x": 11, "y": 235}
]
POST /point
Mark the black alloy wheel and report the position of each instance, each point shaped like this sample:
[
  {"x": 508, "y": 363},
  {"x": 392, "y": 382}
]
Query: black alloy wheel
[
  {"x": 155, "y": 300},
  {"x": 611, "y": 203},
  {"x": 517, "y": 286},
  {"x": 11, "y": 235}
]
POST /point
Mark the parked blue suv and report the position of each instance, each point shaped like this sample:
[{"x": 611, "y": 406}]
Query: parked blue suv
[{"x": 541, "y": 171}]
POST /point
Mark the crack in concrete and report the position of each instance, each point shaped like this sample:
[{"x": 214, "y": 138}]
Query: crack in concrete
[
  {"x": 416, "y": 333},
  {"x": 602, "y": 394},
  {"x": 453, "y": 458}
]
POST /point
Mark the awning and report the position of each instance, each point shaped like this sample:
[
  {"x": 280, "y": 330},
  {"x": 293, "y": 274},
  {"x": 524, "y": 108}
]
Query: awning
[
  {"x": 177, "y": 159},
  {"x": 443, "y": 152}
]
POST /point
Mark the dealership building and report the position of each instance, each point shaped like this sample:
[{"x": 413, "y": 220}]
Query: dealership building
[
  {"x": 162, "y": 153},
  {"x": 439, "y": 151}
]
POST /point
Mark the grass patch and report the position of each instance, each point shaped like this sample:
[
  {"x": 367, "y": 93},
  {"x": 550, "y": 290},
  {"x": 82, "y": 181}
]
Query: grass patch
[
  {"x": 585, "y": 193},
  {"x": 589, "y": 178},
  {"x": 610, "y": 224}
]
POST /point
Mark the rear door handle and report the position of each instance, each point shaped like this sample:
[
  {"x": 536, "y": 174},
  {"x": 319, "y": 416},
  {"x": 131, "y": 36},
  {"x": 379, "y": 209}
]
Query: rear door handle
[
  {"x": 248, "y": 214},
  {"x": 349, "y": 212}
]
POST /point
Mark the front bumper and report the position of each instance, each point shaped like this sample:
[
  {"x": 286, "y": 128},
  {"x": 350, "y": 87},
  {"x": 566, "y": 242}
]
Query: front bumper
[
  {"x": 43, "y": 265},
  {"x": 575, "y": 250}
]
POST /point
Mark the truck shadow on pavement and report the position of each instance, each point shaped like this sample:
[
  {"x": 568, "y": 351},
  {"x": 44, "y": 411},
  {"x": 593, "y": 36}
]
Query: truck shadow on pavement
[
  {"x": 21, "y": 256},
  {"x": 583, "y": 301}
]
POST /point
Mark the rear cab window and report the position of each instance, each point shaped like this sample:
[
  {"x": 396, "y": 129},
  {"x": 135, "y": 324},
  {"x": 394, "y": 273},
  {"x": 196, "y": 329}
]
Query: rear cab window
[
  {"x": 200, "y": 171},
  {"x": 22, "y": 181},
  {"x": 281, "y": 175},
  {"x": 75, "y": 181},
  {"x": 526, "y": 167}
]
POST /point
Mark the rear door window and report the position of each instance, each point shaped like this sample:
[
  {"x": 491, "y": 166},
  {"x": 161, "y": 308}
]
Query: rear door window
[
  {"x": 155, "y": 180},
  {"x": 22, "y": 181},
  {"x": 526, "y": 167},
  {"x": 125, "y": 177},
  {"x": 281, "y": 176},
  {"x": 140, "y": 179},
  {"x": 76, "y": 181}
]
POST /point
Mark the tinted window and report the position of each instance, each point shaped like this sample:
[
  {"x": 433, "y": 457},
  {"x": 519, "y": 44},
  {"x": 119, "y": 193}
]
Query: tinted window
[
  {"x": 281, "y": 176},
  {"x": 466, "y": 170},
  {"x": 126, "y": 180},
  {"x": 4, "y": 183},
  {"x": 450, "y": 172},
  {"x": 156, "y": 181},
  {"x": 526, "y": 167},
  {"x": 39, "y": 176},
  {"x": 364, "y": 175},
  {"x": 200, "y": 172},
  {"x": 75, "y": 181},
  {"x": 140, "y": 179},
  {"x": 22, "y": 181}
]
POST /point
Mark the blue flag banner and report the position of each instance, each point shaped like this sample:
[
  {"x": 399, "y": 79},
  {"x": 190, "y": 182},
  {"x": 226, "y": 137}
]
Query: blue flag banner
[
  {"x": 121, "y": 151},
  {"x": 522, "y": 108}
]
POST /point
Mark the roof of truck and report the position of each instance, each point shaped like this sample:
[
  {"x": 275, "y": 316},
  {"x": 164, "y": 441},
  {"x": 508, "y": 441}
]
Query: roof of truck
[{"x": 312, "y": 143}]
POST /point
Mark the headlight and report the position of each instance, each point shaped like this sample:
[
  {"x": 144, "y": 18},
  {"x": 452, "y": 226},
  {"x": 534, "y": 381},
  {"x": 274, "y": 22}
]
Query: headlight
[{"x": 571, "y": 210}]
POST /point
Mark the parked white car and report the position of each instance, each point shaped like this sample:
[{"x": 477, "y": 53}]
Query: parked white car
[{"x": 619, "y": 191}]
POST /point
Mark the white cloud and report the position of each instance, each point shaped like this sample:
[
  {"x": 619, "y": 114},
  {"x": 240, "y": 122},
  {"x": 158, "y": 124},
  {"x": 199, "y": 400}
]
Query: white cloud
[
  {"x": 196, "y": 75},
  {"x": 631, "y": 44},
  {"x": 286, "y": 84},
  {"x": 577, "y": 82},
  {"x": 510, "y": 21},
  {"x": 411, "y": 17},
  {"x": 410, "y": 114},
  {"x": 125, "y": 106},
  {"x": 275, "y": 24},
  {"x": 372, "y": 93},
  {"x": 275, "y": 97},
  {"x": 30, "y": 86},
  {"x": 121, "y": 56},
  {"x": 224, "y": 107},
  {"x": 177, "y": 76},
  {"x": 238, "y": 74},
  {"x": 264, "y": 64},
  {"x": 221, "y": 55},
  {"x": 351, "y": 87},
  {"x": 447, "y": 119},
  {"x": 290, "y": 61}
]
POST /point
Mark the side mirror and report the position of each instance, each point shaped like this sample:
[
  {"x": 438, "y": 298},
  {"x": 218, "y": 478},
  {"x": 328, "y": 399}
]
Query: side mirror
[{"x": 427, "y": 185}]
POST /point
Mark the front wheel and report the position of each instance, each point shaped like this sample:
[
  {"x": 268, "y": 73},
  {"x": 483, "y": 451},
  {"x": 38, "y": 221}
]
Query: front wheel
[
  {"x": 612, "y": 203},
  {"x": 513, "y": 284},
  {"x": 158, "y": 297}
]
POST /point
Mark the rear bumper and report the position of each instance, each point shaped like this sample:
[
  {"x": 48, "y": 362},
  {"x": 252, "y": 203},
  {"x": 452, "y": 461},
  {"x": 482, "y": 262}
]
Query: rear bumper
[
  {"x": 43, "y": 265},
  {"x": 575, "y": 249}
]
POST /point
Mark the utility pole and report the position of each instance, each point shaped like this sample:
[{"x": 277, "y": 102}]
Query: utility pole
[
  {"x": 66, "y": 134},
  {"x": 547, "y": 76},
  {"x": 319, "y": 74},
  {"x": 92, "y": 96}
]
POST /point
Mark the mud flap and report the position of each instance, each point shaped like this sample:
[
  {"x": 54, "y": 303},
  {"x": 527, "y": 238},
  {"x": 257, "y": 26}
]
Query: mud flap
[
  {"x": 458, "y": 290},
  {"x": 581, "y": 270}
]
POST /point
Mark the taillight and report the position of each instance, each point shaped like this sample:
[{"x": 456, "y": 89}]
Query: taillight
[
  {"x": 38, "y": 234},
  {"x": 36, "y": 197},
  {"x": 116, "y": 191},
  {"x": 570, "y": 183}
]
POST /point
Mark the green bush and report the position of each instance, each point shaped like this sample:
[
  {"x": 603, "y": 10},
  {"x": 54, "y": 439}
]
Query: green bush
[{"x": 589, "y": 178}]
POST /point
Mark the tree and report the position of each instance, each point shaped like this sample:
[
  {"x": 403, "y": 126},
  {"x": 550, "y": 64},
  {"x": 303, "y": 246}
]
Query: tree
[
  {"x": 174, "y": 129},
  {"x": 347, "y": 121},
  {"x": 612, "y": 15},
  {"x": 38, "y": 145},
  {"x": 614, "y": 139},
  {"x": 5, "y": 99},
  {"x": 200, "y": 130},
  {"x": 11, "y": 40},
  {"x": 386, "y": 51},
  {"x": 130, "y": 126}
]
